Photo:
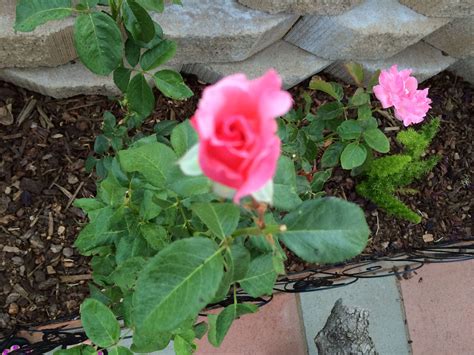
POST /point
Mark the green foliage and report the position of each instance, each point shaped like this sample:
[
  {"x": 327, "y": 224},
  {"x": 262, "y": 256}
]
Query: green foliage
[
  {"x": 164, "y": 246},
  {"x": 31, "y": 14},
  {"x": 99, "y": 323},
  {"x": 326, "y": 230},
  {"x": 388, "y": 175},
  {"x": 103, "y": 49}
]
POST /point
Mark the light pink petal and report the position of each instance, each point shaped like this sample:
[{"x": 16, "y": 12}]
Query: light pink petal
[
  {"x": 382, "y": 96},
  {"x": 411, "y": 84},
  {"x": 275, "y": 103},
  {"x": 262, "y": 169}
]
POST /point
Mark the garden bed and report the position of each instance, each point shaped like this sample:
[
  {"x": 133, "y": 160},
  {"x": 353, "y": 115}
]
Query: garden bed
[{"x": 42, "y": 171}]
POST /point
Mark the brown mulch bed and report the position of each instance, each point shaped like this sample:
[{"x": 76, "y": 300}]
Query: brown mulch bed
[{"x": 43, "y": 151}]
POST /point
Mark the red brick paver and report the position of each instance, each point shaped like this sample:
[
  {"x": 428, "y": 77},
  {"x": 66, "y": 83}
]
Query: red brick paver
[
  {"x": 275, "y": 330},
  {"x": 439, "y": 305}
]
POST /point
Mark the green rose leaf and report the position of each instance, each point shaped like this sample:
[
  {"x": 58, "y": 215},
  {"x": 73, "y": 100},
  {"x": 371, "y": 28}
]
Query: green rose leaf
[
  {"x": 175, "y": 285},
  {"x": 220, "y": 218},
  {"x": 137, "y": 21},
  {"x": 98, "y": 42},
  {"x": 140, "y": 96},
  {"x": 260, "y": 277},
  {"x": 349, "y": 129},
  {"x": 30, "y": 14},
  {"x": 118, "y": 350},
  {"x": 122, "y": 78},
  {"x": 101, "y": 144},
  {"x": 377, "y": 140},
  {"x": 182, "y": 346},
  {"x": 171, "y": 84},
  {"x": 77, "y": 350},
  {"x": 332, "y": 89},
  {"x": 238, "y": 261},
  {"x": 220, "y": 325},
  {"x": 126, "y": 273},
  {"x": 155, "y": 235},
  {"x": 285, "y": 196},
  {"x": 100, "y": 323},
  {"x": 360, "y": 98},
  {"x": 132, "y": 52},
  {"x": 155, "y": 161},
  {"x": 158, "y": 55},
  {"x": 364, "y": 112},
  {"x": 183, "y": 137},
  {"x": 153, "y": 5},
  {"x": 319, "y": 179},
  {"x": 331, "y": 155},
  {"x": 353, "y": 155},
  {"x": 330, "y": 111},
  {"x": 326, "y": 230}
]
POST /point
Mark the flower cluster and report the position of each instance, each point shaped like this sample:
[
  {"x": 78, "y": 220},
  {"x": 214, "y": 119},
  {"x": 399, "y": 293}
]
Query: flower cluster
[{"x": 400, "y": 90}]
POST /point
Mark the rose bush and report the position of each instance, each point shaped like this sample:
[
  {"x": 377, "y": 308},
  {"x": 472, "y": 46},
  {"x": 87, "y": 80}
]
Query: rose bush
[{"x": 165, "y": 245}]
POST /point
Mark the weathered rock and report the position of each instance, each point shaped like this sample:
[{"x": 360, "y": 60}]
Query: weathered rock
[
  {"x": 456, "y": 38},
  {"x": 464, "y": 68},
  {"x": 68, "y": 252},
  {"x": 66, "y": 80},
  {"x": 220, "y": 31},
  {"x": 49, "y": 283},
  {"x": 425, "y": 61},
  {"x": 48, "y": 45},
  {"x": 373, "y": 30},
  {"x": 442, "y": 8},
  {"x": 302, "y": 7},
  {"x": 292, "y": 63}
]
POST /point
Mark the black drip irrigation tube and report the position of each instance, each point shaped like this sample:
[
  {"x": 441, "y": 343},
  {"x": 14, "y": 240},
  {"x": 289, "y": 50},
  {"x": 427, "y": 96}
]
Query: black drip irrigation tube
[{"x": 58, "y": 334}]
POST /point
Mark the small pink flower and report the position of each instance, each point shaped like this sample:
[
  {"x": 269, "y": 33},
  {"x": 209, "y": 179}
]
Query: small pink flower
[
  {"x": 399, "y": 89},
  {"x": 235, "y": 121}
]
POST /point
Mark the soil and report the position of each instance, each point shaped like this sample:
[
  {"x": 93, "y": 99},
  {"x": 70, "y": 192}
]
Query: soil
[{"x": 45, "y": 142}]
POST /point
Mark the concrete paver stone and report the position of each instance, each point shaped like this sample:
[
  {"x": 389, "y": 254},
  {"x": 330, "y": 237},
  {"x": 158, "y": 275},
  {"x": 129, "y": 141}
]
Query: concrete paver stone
[
  {"x": 379, "y": 296},
  {"x": 439, "y": 304}
]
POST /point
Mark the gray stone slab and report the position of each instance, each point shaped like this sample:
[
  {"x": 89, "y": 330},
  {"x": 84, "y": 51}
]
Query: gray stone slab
[
  {"x": 220, "y": 31},
  {"x": 379, "y": 296},
  {"x": 373, "y": 30},
  {"x": 425, "y": 61},
  {"x": 302, "y": 7},
  {"x": 48, "y": 45},
  {"x": 464, "y": 68},
  {"x": 456, "y": 38},
  {"x": 442, "y": 8},
  {"x": 292, "y": 63},
  {"x": 64, "y": 81}
]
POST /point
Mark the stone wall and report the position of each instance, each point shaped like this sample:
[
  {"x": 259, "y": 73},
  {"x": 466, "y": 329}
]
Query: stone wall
[{"x": 297, "y": 37}]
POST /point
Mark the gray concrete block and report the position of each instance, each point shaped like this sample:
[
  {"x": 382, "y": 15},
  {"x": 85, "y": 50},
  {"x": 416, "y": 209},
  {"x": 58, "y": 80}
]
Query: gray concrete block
[
  {"x": 48, "y": 45},
  {"x": 425, "y": 61},
  {"x": 292, "y": 63},
  {"x": 456, "y": 38},
  {"x": 464, "y": 68},
  {"x": 220, "y": 31},
  {"x": 302, "y": 7},
  {"x": 442, "y": 8},
  {"x": 373, "y": 30},
  {"x": 64, "y": 81},
  {"x": 380, "y": 297}
]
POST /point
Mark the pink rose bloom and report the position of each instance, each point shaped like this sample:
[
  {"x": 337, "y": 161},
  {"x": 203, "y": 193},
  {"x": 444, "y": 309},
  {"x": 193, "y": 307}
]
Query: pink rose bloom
[
  {"x": 399, "y": 89},
  {"x": 412, "y": 109},
  {"x": 235, "y": 121}
]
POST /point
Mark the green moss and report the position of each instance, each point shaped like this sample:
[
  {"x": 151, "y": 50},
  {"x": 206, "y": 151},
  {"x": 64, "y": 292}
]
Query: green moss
[{"x": 388, "y": 175}]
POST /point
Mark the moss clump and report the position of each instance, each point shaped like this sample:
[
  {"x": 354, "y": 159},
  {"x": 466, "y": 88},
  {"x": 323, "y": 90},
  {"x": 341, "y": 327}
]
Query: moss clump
[{"x": 386, "y": 176}]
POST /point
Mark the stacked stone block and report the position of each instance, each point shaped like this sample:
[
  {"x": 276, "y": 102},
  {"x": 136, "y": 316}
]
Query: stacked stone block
[{"x": 297, "y": 37}]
